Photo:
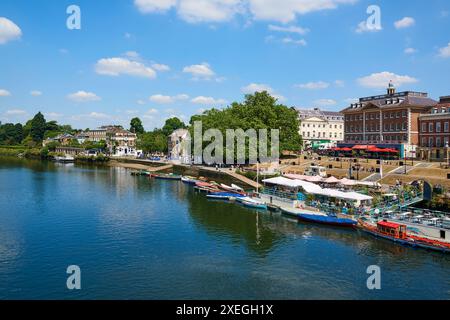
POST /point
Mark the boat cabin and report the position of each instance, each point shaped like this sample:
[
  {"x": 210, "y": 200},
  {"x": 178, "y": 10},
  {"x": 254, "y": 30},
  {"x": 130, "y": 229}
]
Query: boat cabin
[{"x": 391, "y": 229}]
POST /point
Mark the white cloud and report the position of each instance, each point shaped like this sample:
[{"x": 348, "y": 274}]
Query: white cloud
[
  {"x": 148, "y": 6},
  {"x": 132, "y": 55},
  {"x": 287, "y": 10},
  {"x": 339, "y": 83},
  {"x": 140, "y": 102},
  {"x": 15, "y": 112},
  {"x": 8, "y": 30},
  {"x": 382, "y": 79},
  {"x": 325, "y": 102},
  {"x": 289, "y": 29},
  {"x": 289, "y": 40},
  {"x": 260, "y": 87},
  {"x": 445, "y": 51},
  {"x": 160, "y": 67},
  {"x": 162, "y": 99},
  {"x": 208, "y": 101},
  {"x": 195, "y": 11},
  {"x": 152, "y": 111},
  {"x": 364, "y": 27},
  {"x": 83, "y": 96},
  {"x": 98, "y": 115},
  {"x": 36, "y": 93},
  {"x": 53, "y": 115},
  {"x": 200, "y": 71},
  {"x": 406, "y": 22},
  {"x": 4, "y": 93},
  {"x": 351, "y": 100},
  {"x": 313, "y": 85},
  {"x": 410, "y": 50},
  {"x": 119, "y": 66}
]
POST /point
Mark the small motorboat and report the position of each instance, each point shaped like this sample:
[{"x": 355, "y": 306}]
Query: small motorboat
[
  {"x": 189, "y": 180},
  {"x": 233, "y": 187},
  {"x": 64, "y": 159},
  {"x": 164, "y": 176},
  {"x": 237, "y": 188},
  {"x": 252, "y": 203}
]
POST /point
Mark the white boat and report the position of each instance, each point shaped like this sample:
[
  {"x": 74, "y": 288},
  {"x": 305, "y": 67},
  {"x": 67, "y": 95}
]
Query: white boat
[
  {"x": 65, "y": 159},
  {"x": 252, "y": 203},
  {"x": 232, "y": 188},
  {"x": 235, "y": 187}
]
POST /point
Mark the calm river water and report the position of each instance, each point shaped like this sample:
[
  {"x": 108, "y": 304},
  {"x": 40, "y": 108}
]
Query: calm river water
[{"x": 135, "y": 238}]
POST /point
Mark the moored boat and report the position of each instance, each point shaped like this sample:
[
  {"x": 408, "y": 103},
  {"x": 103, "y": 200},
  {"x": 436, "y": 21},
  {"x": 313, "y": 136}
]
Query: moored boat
[
  {"x": 398, "y": 233},
  {"x": 189, "y": 180},
  {"x": 64, "y": 159},
  {"x": 320, "y": 218},
  {"x": 252, "y": 203},
  {"x": 164, "y": 176}
]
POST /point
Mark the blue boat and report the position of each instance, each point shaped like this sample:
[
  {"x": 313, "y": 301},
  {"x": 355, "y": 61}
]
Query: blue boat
[
  {"x": 228, "y": 194},
  {"x": 321, "y": 218},
  {"x": 251, "y": 203}
]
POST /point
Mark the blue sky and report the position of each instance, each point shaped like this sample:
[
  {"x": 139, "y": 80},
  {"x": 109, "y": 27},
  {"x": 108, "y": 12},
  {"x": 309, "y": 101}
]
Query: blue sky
[{"x": 160, "y": 58}]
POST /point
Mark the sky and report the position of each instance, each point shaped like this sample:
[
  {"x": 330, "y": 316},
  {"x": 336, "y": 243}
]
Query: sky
[{"x": 155, "y": 59}]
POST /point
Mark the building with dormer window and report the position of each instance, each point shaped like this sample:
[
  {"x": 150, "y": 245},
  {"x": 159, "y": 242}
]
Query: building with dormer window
[{"x": 387, "y": 121}]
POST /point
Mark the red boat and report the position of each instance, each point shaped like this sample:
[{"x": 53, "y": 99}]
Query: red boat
[{"x": 398, "y": 233}]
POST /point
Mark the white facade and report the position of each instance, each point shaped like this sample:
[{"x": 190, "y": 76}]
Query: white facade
[{"x": 321, "y": 127}]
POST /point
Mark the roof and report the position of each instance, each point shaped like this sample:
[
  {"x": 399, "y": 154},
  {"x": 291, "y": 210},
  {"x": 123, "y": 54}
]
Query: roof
[
  {"x": 401, "y": 99},
  {"x": 316, "y": 112},
  {"x": 389, "y": 224}
]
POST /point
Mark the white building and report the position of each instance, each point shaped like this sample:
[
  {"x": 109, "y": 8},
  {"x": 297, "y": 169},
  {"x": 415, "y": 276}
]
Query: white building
[
  {"x": 123, "y": 144},
  {"x": 321, "y": 128}
]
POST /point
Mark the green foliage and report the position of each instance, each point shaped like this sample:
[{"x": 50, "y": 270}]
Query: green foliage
[
  {"x": 171, "y": 125},
  {"x": 38, "y": 127},
  {"x": 101, "y": 145},
  {"x": 136, "y": 126},
  {"x": 11, "y": 134},
  {"x": 153, "y": 141},
  {"x": 258, "y": 111}
]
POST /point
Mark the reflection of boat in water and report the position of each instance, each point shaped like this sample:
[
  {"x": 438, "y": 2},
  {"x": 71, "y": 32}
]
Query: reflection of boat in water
[
  {"x": 397, "y": 232},
  {"x": 64, "y": 159},
  {"x": 163, "y": 176},
  {"x": 320, "y": 218}
]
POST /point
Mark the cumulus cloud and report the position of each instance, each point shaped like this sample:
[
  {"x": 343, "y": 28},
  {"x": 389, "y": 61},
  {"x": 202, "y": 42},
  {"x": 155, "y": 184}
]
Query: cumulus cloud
[
  {"x": 363, "y": 27},
  {"x": 289, "y": 40},
  {"x": 445, "y": 51},
  {"x": 122, "y": 66},
  {"x": 4, "y": 93},
  {"x": 410, "y": 50},
  {"x": 200, "y": 71},
  {"x": 162, "y": 99},
  {"x": 288, "y": 29},
  {"x": 260, "y": 87},
  {"x": 208, "y": 101},
  {"x": 325, "y": 102},
  {"x": 160, "y": 67},
  {"x": 149, "y": 6},
  {"x": 8, "y": 30},
  {"x": 382, "y": 79},
  {"x": 195, "y": 11},
  {"x": 406, "y": 22},
  {"x": 313, "y": 85},
  {"x": 83, "y": 96},
  {"x": 15, "y": 112}
]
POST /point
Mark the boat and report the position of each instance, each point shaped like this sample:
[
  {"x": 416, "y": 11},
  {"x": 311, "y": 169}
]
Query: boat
[
  {"x": 233, "y": 187},
  {"x": 189, "y": 180},
  {"x": 320, "y": 218},
  {"x": 140, "y": 173},
  {"x": 218, "y": 196},
  {"x": 273, "y": 208},
  {"x": 228, "y": 194},
  {"x": 64, "y": 159},
  {"x": 398, "y": 233},
  {"x": 252, "y": 203},
  {"x": 164, "y": 176}
]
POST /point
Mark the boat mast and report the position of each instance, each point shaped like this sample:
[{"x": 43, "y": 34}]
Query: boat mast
[{"x": 257, "y": 176}]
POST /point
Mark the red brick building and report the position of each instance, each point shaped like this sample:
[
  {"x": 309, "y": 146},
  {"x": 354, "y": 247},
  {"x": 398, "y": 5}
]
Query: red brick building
[
  {"x": 387, "y": 121},
  {"x": 435, "y": 132}
]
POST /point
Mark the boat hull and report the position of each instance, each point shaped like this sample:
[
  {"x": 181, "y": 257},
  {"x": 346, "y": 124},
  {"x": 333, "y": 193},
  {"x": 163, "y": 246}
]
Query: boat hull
[{"x": 327, "y": 220}]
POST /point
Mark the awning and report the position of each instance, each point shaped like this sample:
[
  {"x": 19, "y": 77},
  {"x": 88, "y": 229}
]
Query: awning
[
  {"x": 362, "y": 147},
  {"x": 331, "y": 180}
]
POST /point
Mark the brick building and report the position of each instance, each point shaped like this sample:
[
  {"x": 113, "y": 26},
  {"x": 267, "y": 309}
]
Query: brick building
[
  {"x": 435, "y": 132},
  {"x": 387, "y": 121}
]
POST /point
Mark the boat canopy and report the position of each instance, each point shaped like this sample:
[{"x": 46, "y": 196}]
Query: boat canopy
[{"x": 285, "y": 182}]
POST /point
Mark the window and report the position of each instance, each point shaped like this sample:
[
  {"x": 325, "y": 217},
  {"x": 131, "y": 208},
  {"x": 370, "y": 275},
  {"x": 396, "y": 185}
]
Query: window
[
  {"x": 430, "y": 127},
  {"x": 430, "y": 142},
  {"x": 438, "y": 126},
  {"x": 392, "y": 127},
  {"x": 404, "y": 114},
  {"x": 445, "y": 126},
  {"x": 397, "y": 126},
  {"x": 438, "y": 142},
  {"x": 446, "y": 142},
  {"x": 404, "y": 126},
  {"x": 424, "y": 142},
  {"x": 392, "y": 115},
  {"x": 424, "y": 127},
  {"x": 397, "y": 115}
]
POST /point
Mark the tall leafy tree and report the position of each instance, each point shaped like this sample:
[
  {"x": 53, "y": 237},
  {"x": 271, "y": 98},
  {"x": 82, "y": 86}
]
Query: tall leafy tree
[
  {"x": 136, "y": 126},
  {"x": 173, "y": 124},
  {"x": 38, "y": 127}
]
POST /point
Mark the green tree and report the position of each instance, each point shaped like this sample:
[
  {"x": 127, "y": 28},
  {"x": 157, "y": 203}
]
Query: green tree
[
  {"x": 171, "y": 125},
  {"x": 153, "y": 141},
  {"x": 38, "y": 127},
  {"x": 136, "y": 126}
]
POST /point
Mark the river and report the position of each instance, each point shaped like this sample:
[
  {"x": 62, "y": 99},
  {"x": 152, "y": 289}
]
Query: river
[{"x": 136, "y": 238}]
